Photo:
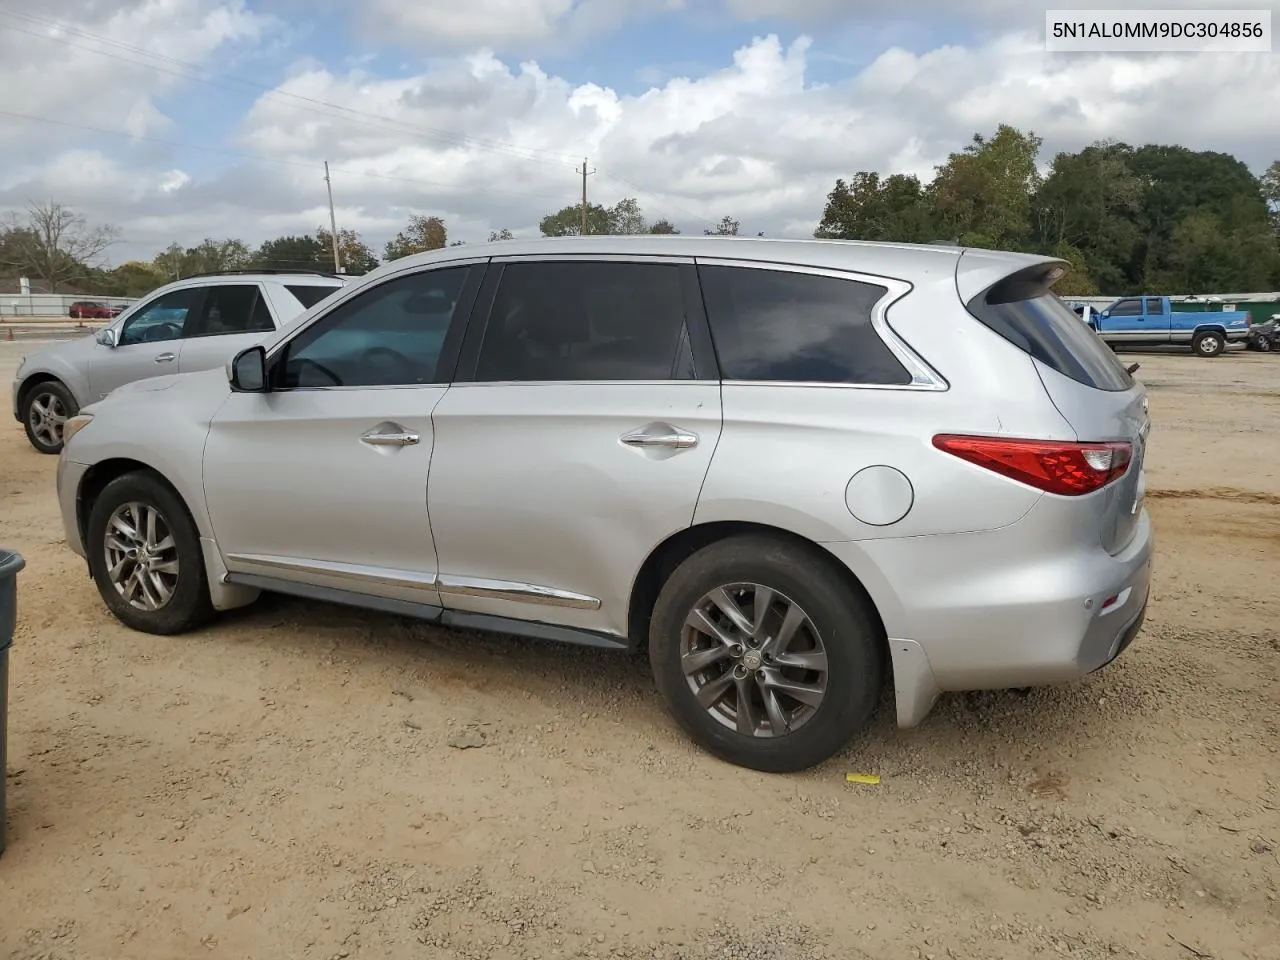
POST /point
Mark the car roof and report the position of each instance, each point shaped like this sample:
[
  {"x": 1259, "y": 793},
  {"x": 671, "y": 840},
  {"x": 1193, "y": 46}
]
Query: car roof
[{"x": 907, "y": 261}]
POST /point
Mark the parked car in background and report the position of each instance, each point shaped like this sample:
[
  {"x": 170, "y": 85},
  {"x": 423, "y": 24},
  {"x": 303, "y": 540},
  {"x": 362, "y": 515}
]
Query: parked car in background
[
  {"x": 188, "y": 325},
  {"x": 1151, "y": 321},
  {"x": 93, "y": 310},
  {"x": 787, "y": 469},
  {"x": 1263, "y": 336}
]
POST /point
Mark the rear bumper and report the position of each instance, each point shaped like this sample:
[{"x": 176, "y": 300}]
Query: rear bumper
[{"x": 991, "y": 611}]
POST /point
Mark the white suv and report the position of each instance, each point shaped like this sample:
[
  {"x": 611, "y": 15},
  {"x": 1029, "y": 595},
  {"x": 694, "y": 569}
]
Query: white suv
[
  {"x": 192, "y": 324},
  {"x": 786, "y": 468}
]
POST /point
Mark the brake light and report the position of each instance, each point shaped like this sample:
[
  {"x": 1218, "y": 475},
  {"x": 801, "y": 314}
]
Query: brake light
[{"x": 1067, "y": 469}]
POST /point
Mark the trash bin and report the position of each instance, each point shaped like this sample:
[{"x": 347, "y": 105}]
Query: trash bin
[{"x": 10, "y": 565}]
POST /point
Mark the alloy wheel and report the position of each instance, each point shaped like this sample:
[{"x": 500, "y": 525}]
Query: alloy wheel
[
  {"x": 142, "y": 556},
  {"x": 754, "y": 660},
  {"x": 46, "y": 416}
]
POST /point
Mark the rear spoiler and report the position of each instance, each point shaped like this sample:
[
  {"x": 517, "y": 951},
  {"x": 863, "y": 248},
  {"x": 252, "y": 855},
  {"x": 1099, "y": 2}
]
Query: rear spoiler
[{"x": 1006, "y": 277}]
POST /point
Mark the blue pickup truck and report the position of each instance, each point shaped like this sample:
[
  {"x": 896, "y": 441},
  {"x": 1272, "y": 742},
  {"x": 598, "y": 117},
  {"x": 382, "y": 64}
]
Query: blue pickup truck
[{"x": 1151, "y": 321}]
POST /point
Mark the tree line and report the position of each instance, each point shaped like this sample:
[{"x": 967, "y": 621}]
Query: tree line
[{"x": 1150, "y": 219}]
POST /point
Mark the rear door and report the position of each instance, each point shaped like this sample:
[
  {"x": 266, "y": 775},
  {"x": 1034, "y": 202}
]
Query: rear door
[
  {"x": 233, "y": 316},
  {"x": 574, "y": 439}
]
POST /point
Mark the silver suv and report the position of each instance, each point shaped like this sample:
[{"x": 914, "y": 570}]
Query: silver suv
[
  {"x": 192, "y": 324},
  {"x": 787, "y": 470}
]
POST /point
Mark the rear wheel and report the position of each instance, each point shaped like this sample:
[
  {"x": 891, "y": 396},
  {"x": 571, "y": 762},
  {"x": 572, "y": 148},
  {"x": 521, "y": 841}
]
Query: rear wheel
[
  {"x": 144, "y": 553},
  {"x": 1208, "y": 344},
  {"x": 46, "y": 407},
  {"x": 764, "y": 655}
]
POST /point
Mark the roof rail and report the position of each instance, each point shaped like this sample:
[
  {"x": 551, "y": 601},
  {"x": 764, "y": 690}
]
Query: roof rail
[{"x": 266, "y": 270}]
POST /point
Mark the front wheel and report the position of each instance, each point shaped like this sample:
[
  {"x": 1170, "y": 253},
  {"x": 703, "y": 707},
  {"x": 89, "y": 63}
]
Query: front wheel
[
  {"x": 1208, "y": 344},
  {"x": 46, "y": 408},
  {"x": 144, "y": 554},
  {"x": 764, "y": 655}
]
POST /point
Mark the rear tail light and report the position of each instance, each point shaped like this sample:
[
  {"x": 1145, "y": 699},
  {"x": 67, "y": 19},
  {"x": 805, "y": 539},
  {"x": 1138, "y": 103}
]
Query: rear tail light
[{"x": 1067, "y": 469}]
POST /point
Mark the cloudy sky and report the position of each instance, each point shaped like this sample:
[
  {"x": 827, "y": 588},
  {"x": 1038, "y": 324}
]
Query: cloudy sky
[{"x": 183, "y": 119}]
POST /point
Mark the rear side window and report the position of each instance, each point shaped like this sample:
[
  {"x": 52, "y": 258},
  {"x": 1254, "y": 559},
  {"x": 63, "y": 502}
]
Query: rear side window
[
  {"x": 1031, "y": 317},
  {"x": 309, "y": 295},
  {"x": 780, "y": 326}
]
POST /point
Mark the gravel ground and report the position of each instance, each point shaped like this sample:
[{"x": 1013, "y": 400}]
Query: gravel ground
[{"x": 301, "y": 780}]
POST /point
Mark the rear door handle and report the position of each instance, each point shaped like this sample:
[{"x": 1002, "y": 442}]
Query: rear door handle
[
  {"x": 390, "y": 439},
  {"x": 166, "y": 357},
  {"x": 677, "y": 439}
]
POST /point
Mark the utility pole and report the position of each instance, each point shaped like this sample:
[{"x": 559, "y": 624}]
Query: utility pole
[
  {"x": 585, "y": 173},
  {"x": 333, "y": 221}
]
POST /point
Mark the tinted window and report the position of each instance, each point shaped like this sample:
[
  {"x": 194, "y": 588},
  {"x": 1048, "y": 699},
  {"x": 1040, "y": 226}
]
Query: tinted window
[
  {"x": 1045, "y": 327},
  {"x": 585, "y": 321},
  {"x": 783, "y": 326},
  {"x": 1127, "y": 308},
  {"x": 1154, "y": 306},
  {"x": 391, "y": 335},
  {"x": 233, "y": 308},
  {"x": 309, "y": 295},
  {"x": 163, "y": 318}
]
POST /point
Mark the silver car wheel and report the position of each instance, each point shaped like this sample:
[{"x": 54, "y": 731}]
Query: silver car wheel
[
  {"x": 46, "y": 415},
  {"x": 754, "y": 660},
  {"x": 1209, "y": 344},
  {"x": 142, "y": 556}
]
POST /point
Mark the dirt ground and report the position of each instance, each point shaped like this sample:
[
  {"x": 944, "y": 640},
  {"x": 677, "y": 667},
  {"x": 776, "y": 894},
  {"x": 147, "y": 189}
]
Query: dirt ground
[{"x": 283, "y": 784}]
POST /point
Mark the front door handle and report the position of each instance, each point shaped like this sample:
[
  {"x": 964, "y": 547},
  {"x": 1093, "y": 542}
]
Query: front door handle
[
  {"x": 668, "y": 436},
  {"x": 166, "y": 357},
  {"x": 390, "y": 439}
]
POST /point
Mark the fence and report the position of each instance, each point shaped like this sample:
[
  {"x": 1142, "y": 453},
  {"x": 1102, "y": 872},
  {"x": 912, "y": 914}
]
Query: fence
[{"x": 51, "y": 304}]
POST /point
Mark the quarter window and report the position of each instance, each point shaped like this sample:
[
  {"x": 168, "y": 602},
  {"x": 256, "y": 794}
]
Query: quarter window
[
  {"x": 163, "y": 318},
  {"x": 309, "y": 294},
  {"x": 777, "y": 325},
  {"x": 390, "y": 335},
  {"x": 586, "y": 321},
  {"x": 232, "y": 308}
]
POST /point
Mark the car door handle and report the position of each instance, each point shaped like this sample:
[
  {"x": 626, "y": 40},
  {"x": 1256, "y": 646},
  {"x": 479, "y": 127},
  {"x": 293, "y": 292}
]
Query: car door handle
[
  {"x": 674, "y": 438},
  {"x": 166, "y": 357},
  {"x": 390, "y": 439}
]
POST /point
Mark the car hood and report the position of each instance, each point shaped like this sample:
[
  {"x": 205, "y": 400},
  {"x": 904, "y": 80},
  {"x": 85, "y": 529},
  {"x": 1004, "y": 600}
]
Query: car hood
[{"x": 197, "y": 387}]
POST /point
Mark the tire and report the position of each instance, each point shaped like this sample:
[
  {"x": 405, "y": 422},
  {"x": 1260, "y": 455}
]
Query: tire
[
  {"x": 45, "y": 408},
  {"x": 848, "y": 635},
  {"x": 1264, "y": 344},
  {"x": 1208, "y": 344},
  {"x": 188, "y": 604}
]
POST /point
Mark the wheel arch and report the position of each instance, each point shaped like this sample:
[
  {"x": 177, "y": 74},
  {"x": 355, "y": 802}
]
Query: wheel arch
[
  {"x": 671, "y": 552},
  {"x": 98, "y": 476},
  {"x": 37, "y": 377}
]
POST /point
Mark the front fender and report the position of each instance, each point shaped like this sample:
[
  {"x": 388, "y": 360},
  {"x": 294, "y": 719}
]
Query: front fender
[{"x": 51, "y": 367}]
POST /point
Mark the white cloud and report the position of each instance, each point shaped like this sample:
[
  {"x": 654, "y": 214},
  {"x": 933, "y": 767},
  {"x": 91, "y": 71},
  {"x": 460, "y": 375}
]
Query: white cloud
[{"x": 489, "y": 143}]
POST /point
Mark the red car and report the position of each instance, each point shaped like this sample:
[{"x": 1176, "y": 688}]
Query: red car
[{"x": 92, "y": 310}]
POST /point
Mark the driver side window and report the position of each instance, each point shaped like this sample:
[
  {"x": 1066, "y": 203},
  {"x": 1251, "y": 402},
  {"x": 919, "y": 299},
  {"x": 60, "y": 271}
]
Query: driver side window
[
  {"x": 390, "y": 335},
  {"x": 163, "y": 318}
]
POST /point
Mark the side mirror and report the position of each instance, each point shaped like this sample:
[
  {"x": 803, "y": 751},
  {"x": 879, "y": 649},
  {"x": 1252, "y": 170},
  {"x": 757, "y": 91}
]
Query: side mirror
[
  {"x": 248, "y": 371},
  {"x": 1104, "y": 314},
  {"x": 107, "y": 337}
]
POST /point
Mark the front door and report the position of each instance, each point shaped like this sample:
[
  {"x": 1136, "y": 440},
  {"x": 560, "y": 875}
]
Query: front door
[
  {"x": 575, "y": 439},
  {"x": 232, "y": 317},
  {"x": 149, "y": 342},
  {"x": 323, "y": 480}
]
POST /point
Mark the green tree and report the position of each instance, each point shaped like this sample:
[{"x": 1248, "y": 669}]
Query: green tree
[
  {"x": 356, "y": 256},
  {"x": 293, "y": 253},
  {"x": 663, "y": 227},
  {"x": 727, "y": 227},
  {"x": 982, "y": 195},
  {"x": 1091, "y": 201},
  {"x": 504, "y": 234},
  {"x": 422, "y": 234},
  {"x": 626, "y": 217},
  {"x": 896, "y": 208},
  {"x": 567, "y": 222}
]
